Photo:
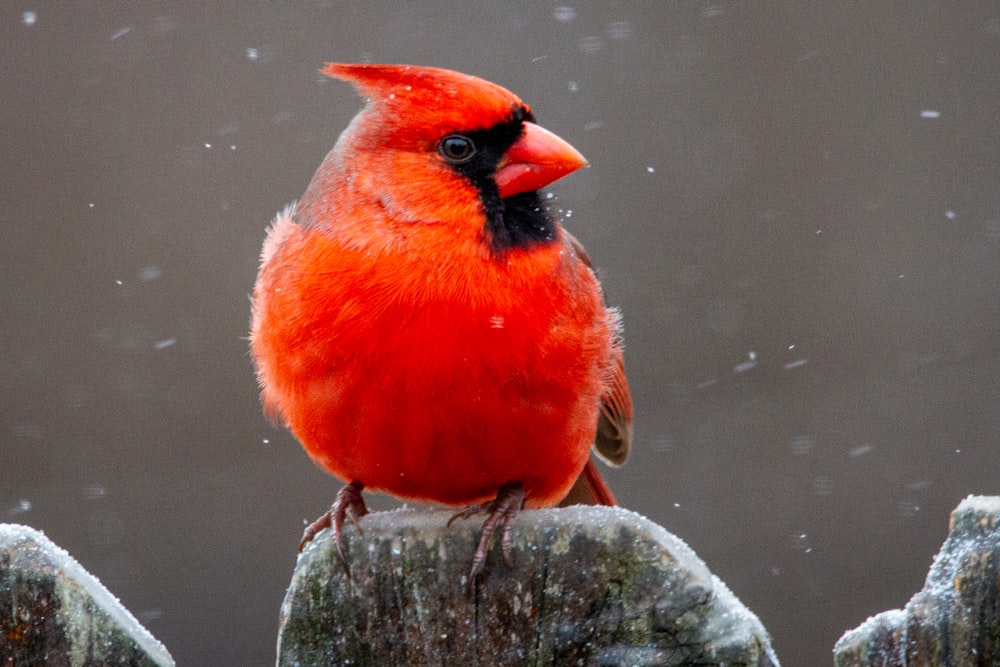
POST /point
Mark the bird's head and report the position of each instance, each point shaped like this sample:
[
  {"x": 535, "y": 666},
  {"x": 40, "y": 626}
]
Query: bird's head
[{"x": 433, "y": 142}]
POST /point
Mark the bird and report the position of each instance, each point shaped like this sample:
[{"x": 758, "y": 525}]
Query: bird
[{"x": 424, "y": 324}]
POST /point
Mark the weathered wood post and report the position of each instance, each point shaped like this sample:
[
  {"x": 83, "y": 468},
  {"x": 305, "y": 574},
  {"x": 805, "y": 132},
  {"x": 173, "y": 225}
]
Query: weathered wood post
[
  {"x": 955, "y": 619},
  {"x": 586, "y": 586},
  {"x": 53, "y": 612}
]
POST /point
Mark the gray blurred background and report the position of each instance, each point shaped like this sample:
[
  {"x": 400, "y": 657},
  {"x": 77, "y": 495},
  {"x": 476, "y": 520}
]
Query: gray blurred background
[{"x": 796, "y": 206}]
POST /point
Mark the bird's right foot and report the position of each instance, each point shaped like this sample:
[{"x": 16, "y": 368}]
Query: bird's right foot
[{"x": 349, "y": 504}]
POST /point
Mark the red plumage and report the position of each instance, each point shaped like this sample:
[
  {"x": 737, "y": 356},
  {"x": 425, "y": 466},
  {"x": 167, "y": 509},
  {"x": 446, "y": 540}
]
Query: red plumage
[{"x": 416, "y": 330}]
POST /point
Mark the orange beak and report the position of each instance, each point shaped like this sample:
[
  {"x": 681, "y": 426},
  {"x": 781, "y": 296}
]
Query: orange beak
[{"x": 536, "y": 159}]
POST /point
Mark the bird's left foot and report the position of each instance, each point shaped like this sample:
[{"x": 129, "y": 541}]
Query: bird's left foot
[{"x": 502, "y": 509}]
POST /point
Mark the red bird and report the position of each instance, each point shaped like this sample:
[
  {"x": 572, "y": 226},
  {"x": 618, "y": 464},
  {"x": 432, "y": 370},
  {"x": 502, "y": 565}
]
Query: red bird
[{"x": 425, "y": 326}]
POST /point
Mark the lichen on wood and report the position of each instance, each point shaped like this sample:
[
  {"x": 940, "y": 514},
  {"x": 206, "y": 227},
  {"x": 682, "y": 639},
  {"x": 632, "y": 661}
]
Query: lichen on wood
[{"x": 585, "y": 586}]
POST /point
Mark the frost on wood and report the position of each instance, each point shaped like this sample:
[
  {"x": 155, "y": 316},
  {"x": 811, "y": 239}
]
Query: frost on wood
[
  {"x": 586, "y": 586},
  {"x": 52, "y": 611},
  {"x": 955, "y": 619}
]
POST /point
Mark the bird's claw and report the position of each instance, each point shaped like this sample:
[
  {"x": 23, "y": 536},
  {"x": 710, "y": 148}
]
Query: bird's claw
[
  {"x": 349, "y": 504},
  {"x": 500, "y": 510}
]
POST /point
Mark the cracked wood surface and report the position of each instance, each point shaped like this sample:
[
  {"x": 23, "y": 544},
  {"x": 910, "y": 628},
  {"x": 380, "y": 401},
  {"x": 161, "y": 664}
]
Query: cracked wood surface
[{"x": 586, "y": 586}]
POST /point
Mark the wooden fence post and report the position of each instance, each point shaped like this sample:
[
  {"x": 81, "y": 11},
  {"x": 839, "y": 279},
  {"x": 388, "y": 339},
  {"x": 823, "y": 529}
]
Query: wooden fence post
[{"x": 586, "y": 586}]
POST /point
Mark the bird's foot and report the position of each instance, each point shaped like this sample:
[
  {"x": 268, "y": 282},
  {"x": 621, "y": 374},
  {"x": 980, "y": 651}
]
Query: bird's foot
[
  {"x": 349, "y": 504},
  {"x": 502, "y": 509}
]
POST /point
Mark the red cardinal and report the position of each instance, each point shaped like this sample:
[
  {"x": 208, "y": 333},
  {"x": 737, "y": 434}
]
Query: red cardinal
[{"x": 424, "y": 325}]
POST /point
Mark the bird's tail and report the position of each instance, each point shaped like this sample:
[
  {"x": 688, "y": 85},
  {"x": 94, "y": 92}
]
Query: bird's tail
[{"x": 589, "y": 489}]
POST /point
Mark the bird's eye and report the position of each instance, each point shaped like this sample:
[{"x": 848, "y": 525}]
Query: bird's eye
[{"x": 457, "y": 148}]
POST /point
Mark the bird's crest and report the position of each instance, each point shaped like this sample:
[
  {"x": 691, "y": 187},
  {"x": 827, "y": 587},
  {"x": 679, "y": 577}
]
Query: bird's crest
[{"x": 429, "y": 96}]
